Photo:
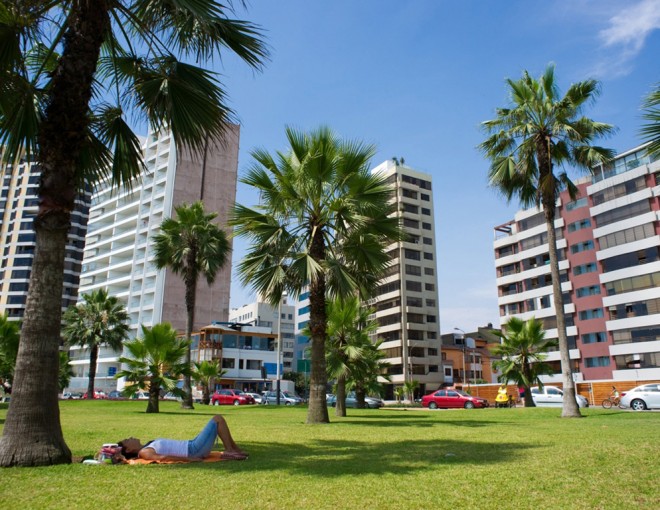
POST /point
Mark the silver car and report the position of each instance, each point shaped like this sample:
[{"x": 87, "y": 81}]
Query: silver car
[
  {"x": 286, "y": 398},
  {"x": 551, "y": 396},
  {"x": 642, "y": 397}
]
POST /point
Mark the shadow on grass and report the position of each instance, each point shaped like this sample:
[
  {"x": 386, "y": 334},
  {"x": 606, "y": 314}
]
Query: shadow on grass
[{"x": 337, "y": 458}]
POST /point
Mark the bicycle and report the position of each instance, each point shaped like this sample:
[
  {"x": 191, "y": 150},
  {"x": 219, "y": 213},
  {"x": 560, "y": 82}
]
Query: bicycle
[{"x": 612, "y": 401}]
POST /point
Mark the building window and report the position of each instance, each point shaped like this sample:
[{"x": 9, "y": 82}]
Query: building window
[
  {"x": 426, "y": 226},
  {"x": 598, "y": 361},
  {"x": 412, "y": 254},
  {"x": 591, "y": 290},
  {"x": 427, "y": 240},
  {"x": 580, "y": 247},
  {"x": 428, "y": 256},
  {"x": 426, "y": 211},
  {"x": 591, "y": 267},
  {"x": 579, "y": 225},
  {"x": 413, "y": 286},
  {"x": 425, "y": 197},
  {"x": 429, "y": 286},
  {"x": 591, "y": 338},
  {"x": 596, "y": 313},
  {"x": 580, "y": 202}
]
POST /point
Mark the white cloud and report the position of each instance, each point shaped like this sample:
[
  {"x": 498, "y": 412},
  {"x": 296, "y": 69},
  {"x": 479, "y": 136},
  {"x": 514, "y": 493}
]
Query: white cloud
[{"x": 626, "y": 33}]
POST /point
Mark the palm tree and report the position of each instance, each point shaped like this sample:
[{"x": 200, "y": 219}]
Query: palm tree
[
  {"x": 348, "y": 332},
  {"x": 65, "y": 372},
  {"x": 9, "y": 340},
  {"x": 523, "y": 351},
  {"x": 154, "y": 362},
  {"x": 529, "y": 142},
  {"x": 192, "y": 246},
  {"x": 98, "y": 320},
  {"x": 367, "y": 370},
  {"x": 651, "y": 130},
  {"x": 72, "y": 74},
  {"x": 206, "y": 373},
  {"x": 323, "y": 221},
  {"x": 409, "y": 388}
]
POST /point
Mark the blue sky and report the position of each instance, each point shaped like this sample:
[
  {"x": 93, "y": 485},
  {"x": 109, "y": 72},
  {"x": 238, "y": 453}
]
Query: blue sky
[{"x": 416, "y": 78}]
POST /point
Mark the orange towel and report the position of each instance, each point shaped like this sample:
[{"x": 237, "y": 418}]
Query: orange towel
[{"x": 213, "y": 457}]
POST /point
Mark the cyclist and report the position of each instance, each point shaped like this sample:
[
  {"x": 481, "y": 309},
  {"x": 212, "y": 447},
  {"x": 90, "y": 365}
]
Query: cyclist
[{"x": 614, "y": 396}]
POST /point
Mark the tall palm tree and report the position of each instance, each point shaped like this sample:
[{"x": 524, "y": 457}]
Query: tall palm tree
[
  {"x": 523, "y": 350},
  {"x": 192, "y": 246},
  {"x": 651, "y": 130},
  {"x": 154, "y": 362},
  {"x": 65, "y": 372},
  {"x": 98, "y": 320},
  {"x": 348, "y": 332},
  {"x": 529, "y": 145},
  {"x": 206, "y": 373},
  {"x": 323, "y": 221},
  {"x": 72, "y": 73}
]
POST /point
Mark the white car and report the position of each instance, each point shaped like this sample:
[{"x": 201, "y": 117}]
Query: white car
[
  {"x": 258, "y": 398},
  {"x": 551, "y": 396},
  {"x": 642, "y": 397}
]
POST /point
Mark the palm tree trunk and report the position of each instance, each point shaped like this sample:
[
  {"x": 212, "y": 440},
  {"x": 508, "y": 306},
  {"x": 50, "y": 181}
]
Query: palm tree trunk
[
  {"x": 93, "y": 356},
  {"x": 570, "y": 407},
  {"x": 191, "y": 293},
  {"x": 154, "y": 398},
  {"x": 32, "y": 435},
  {"x": 318, "y": 408},
  {"x": 340, "y": 409},
  {"x": 360, "y": 394}
]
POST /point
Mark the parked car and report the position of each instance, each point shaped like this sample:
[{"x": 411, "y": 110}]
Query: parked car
[
  {"x": 140, "y": 395},
  {"x": 72, "y": 396},
  {"x": 171, "y": 396},
  {"x": 448, "y": 398},
  {"x": 231, "y": 397},
  {"x": 116, "y": 395},
  {"x": 551, "y": 396},
  {"x": 351, "y": 401},
  {"x": 258, "y": 398},
  {"x": 98, "y": 394},
  {"x": 286, "y": 398},
  {"x": 642, "y": 397}
]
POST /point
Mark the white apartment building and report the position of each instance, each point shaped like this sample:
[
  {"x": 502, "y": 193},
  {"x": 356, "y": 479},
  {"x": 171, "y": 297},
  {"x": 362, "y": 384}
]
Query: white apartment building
[
  {"x": 406, "y": 300},
  {"x": 119, "y": 253},
  {"x": 277, "y": 320},
  {"x": 609, "y": 252}
]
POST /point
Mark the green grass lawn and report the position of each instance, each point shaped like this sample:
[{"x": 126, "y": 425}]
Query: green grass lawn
[{"x": 372, "y": 459}]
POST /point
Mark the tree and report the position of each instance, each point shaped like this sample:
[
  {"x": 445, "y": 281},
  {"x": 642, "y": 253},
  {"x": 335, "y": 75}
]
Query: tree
[
  {"x": 527, "y": 145},
  {"x": 154, "y": 362},
  {"x": 98, "y": 320},
  {"x": 366, "y": 371},
  {"x": 651, "y": 130},
  {"x": 206, "y": 373},
  {"x": 72, "y": 73},
  {"x": 409, "y": 388},
  {"x": 9, "y": 340},
  {"x": 348, "y": 332},
  {"x": 323, "y": 221},
  {"x": 192, "y": 246},
  {"x": 523, "y": 350},
  {"x": 65, "y": 372}
]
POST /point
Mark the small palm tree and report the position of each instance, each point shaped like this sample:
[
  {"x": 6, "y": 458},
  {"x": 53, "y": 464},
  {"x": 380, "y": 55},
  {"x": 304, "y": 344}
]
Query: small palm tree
[
  {"x": 9, "y": 339},
  {"x": 651, "y": 130},
  {"x": 66, "y": 371},
  {"x": 154, "y": 362},
  {"x": 348, "y": 333},
  {"x": 529, "y": 144},
  {"x": 399, "y": 393},
  {"x": 98, "y": 320},
  {"x": 207, "y": 373},
  {"x": 74, "y": 74},
  {"x": 324, "y": 221},
  {"x": 192, "y": 246},
  {"x": 367, "y": 370},
  {"x": 409, "y": 388},
  {"x": 523, "y": 350}
]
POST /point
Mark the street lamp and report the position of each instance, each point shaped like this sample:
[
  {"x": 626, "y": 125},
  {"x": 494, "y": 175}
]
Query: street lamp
[
  {"x": 279, "y": 345},
  {"x": 459, "y": 329}
]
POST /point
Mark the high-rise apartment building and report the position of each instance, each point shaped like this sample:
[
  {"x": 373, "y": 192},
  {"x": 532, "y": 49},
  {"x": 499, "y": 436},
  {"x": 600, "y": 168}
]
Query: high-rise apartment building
[
  {"x": 19, "y": 202},
  {"x": 406, "y": 300},
  {"x": 119, "y": 250},
  {"x": 609, "y": 252}
]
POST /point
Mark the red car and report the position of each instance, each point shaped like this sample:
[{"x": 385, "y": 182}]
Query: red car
[
  {"x": 231, "y": 397},
  {"x": 447, "y": 398}
]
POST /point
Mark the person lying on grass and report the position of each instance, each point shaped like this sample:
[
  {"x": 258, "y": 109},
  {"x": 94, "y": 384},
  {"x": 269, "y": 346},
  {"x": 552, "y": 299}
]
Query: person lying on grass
[{"x": 193, "y": 450}]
